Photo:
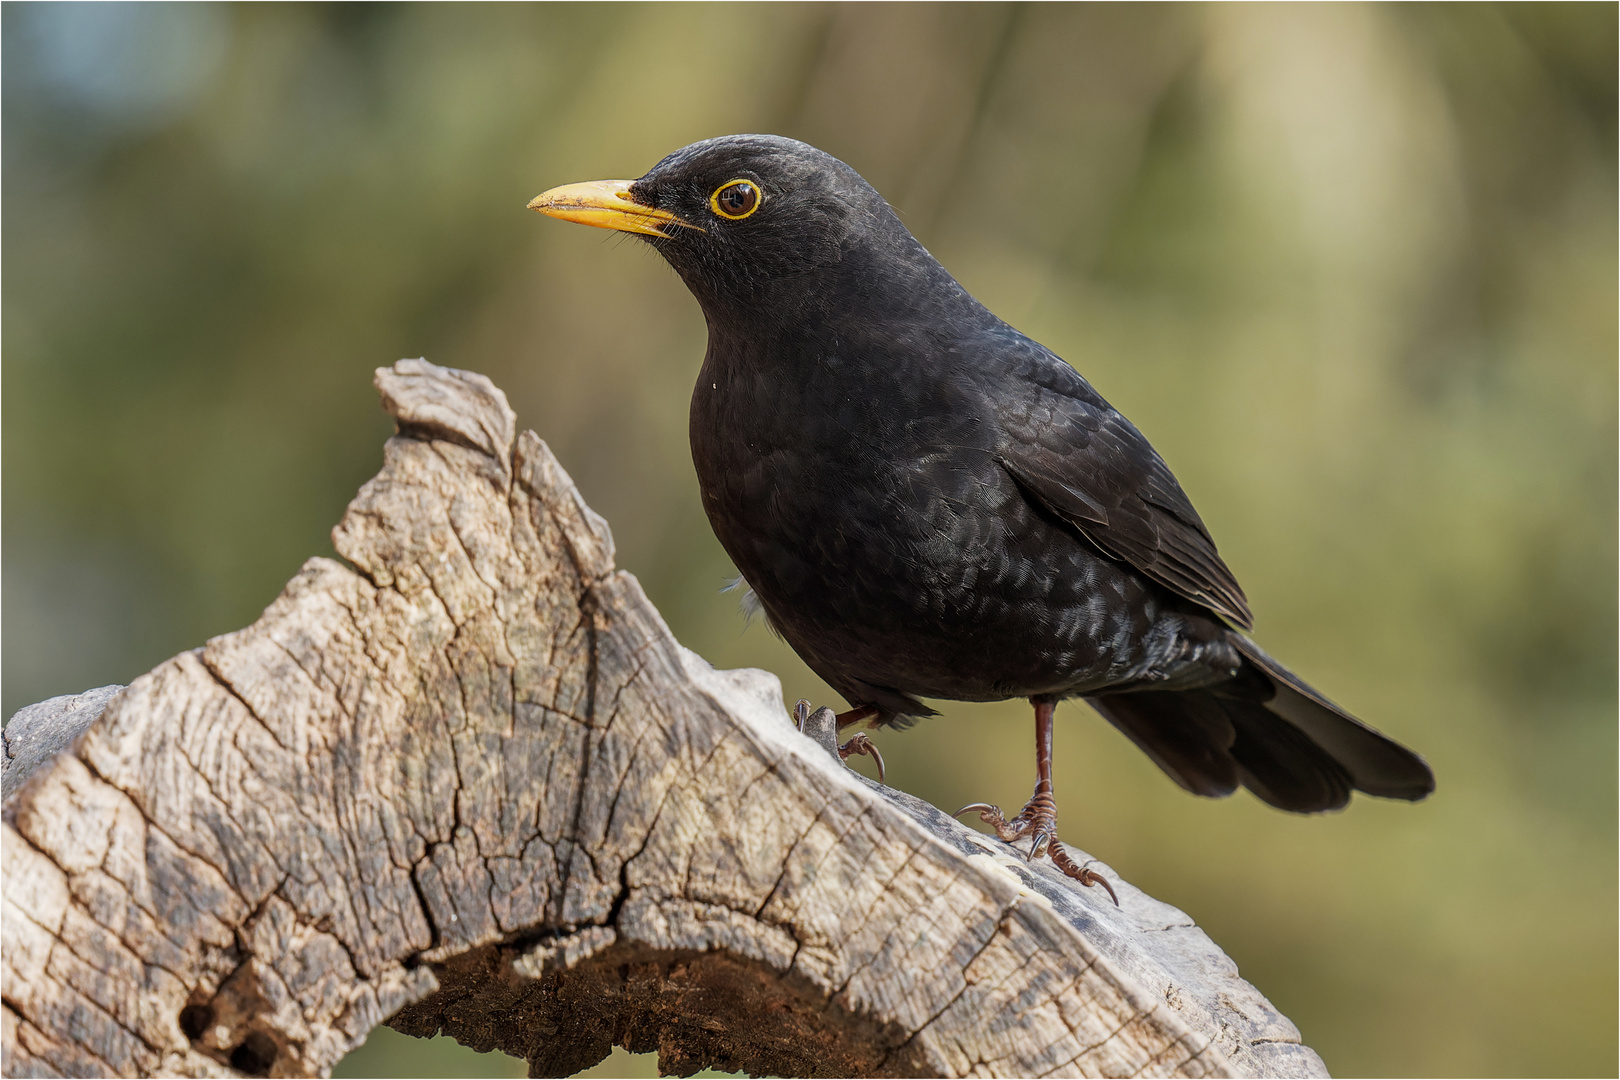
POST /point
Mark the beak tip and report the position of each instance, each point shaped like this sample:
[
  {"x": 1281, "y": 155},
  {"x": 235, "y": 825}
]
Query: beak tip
[{"x": 604, "y": 204}]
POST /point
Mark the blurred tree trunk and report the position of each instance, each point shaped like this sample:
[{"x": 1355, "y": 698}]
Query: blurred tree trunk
[{"x": 469, "y": 783}]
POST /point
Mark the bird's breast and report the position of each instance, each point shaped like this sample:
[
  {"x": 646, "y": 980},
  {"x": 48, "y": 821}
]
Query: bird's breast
[
  {"x": 844, "y": 500},
  {"x": 837, "y": 460},
  {"x": 867, "y": 509}
]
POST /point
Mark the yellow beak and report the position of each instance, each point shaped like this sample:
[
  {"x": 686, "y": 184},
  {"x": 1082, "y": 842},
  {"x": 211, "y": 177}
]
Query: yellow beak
[{"x": 605, "y": 204}]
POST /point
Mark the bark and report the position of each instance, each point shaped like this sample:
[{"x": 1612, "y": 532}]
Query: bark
[{"x": 468, "y": 782}]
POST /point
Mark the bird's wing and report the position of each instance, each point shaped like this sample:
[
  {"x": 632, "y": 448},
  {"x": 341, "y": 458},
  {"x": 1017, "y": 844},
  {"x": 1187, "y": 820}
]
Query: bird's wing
[{"x": 1077, "y": 456}]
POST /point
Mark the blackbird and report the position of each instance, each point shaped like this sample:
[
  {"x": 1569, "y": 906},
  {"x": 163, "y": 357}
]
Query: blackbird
[{"x": 929, "y": 504}]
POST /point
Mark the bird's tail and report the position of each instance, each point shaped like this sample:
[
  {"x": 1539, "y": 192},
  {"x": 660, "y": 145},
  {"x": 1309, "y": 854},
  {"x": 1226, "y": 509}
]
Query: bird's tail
[{"x": 1269, "y": 731}]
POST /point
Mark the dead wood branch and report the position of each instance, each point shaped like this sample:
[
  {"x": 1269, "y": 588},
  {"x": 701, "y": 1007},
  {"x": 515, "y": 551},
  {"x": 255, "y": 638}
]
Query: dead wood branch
[{"x": 469, "y": 783}]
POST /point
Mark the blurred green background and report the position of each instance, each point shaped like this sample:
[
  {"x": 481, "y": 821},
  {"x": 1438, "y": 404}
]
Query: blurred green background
[{"x": 1351, "y": 268}]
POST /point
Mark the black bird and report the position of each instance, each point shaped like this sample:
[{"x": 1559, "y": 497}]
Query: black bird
[{"x": 929, "y": 504}]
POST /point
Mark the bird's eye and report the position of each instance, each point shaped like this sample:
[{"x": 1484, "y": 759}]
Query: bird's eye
[{"x": 735, "y": 199}]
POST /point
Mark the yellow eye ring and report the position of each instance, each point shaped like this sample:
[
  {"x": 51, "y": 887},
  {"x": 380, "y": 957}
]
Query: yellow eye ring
[{"x": 736, "y": 199}]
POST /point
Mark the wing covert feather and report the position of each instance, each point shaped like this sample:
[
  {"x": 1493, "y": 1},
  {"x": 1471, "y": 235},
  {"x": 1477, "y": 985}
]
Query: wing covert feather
[{"x": 1089, "y": 465}]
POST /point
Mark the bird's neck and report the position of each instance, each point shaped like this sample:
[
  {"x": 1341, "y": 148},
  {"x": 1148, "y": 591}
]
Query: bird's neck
[{"x": 875, "y": 302}]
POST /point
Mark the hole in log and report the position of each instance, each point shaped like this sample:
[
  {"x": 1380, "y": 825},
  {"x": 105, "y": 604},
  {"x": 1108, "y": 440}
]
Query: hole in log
[
  {"x": 713, "y": 1009},
  {"x": 196, "y": 1019},
  {"x": 255, "y": 1056}
]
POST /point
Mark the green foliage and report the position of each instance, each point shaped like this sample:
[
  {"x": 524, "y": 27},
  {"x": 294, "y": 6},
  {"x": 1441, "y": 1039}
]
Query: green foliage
[{"x": 1351, "y": 268}]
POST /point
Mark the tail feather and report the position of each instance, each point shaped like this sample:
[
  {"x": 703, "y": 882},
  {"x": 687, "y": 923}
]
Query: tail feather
[
  {"x": 1281, "y": 764},
  {"x": 1269, "y": 731},
  {"x": 1377, "y": 764},
  {"x": 1186, "y": 734}
]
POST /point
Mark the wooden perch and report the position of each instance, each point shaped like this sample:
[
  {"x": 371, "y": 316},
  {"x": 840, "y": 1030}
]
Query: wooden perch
[{"x": 470, "y": 783}]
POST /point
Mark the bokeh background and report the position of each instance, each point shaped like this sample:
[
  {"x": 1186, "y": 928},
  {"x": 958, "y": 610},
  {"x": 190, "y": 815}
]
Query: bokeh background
[{"x": 1351, "y": 268}]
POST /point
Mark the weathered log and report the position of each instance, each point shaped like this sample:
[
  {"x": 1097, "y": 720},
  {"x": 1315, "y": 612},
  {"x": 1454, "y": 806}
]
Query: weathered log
[{"x": 470, "y": 783}]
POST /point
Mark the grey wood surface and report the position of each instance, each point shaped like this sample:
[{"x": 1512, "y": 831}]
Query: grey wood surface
[{"x": 467, "y": 781}]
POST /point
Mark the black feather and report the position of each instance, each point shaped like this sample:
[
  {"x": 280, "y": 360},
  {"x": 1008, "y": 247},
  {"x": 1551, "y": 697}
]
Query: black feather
[{"x": 1188, "y": 735}]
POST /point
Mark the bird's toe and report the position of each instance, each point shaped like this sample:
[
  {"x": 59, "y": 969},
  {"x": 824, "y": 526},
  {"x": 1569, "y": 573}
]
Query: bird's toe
[{"x": 860, "y": 744}]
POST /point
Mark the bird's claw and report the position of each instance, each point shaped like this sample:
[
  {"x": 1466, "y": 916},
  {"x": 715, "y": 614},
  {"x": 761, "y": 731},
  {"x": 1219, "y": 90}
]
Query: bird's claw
[
  {"x": 990, "y": 814},
  {"x": 1083, "y": 874},
  {"x": 1045, "y": 841},
  {"x": 822, "y": 726},
  {"x": 860, "y": 744}
]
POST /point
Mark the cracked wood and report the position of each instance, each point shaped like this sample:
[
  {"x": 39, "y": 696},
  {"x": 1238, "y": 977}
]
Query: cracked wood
[{"x": 468, "y": 782}]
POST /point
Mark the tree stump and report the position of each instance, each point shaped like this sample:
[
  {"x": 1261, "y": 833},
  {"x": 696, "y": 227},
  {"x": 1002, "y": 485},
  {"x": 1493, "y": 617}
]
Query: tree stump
[{"x": 468, "y": 782}]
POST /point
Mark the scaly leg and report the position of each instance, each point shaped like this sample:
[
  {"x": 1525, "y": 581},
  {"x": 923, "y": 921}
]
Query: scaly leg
[
  {"x": 856, "y": 715},
  {"x": 1038, "y": 818}
]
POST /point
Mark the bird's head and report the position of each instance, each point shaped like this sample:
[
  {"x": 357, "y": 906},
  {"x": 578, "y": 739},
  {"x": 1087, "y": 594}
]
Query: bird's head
[{"x": 738, "y": 215}]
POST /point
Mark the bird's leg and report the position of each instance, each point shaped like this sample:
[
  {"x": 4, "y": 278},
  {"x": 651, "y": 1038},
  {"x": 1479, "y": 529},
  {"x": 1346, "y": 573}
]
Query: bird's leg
[
  {"x": 1040, "y": 813},
  {"x": 1038, "y": 818},
  {"x": 856, "y": 715}
]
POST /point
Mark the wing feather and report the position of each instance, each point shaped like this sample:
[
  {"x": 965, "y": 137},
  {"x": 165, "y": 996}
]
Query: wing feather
[{"x": 1081, "y": 459}]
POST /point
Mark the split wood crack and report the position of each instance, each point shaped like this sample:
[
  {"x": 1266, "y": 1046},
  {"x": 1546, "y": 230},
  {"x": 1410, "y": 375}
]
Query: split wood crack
[{"x": 468, "y": 782}]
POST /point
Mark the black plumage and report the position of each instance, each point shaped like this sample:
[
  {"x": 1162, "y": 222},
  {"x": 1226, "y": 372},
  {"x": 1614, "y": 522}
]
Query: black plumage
[{"x": 929, "y": 504}]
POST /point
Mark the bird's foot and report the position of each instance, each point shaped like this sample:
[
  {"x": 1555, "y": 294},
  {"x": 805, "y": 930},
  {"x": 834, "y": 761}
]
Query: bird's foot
[
  {"x": 990, "y": 814},
  {"x": 822, "y": 726},
  {"x": 860, "y": 744},
  {"x": 1084, "y": 875},
  {"x": 1038, "y": 819}
]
